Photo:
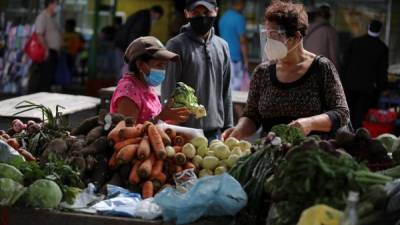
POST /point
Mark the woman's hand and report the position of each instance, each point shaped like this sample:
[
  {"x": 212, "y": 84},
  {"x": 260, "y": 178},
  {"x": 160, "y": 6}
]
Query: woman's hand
[
  {"x": 231, "y": 132},
  {"x": 177, "y": 115},
  {"x": 304, "y": 124}
]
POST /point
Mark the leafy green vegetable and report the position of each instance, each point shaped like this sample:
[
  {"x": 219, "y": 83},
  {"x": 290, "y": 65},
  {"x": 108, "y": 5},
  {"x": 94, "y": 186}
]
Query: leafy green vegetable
[
  {"x": 9, "y": 171},
  {"x": 252, "y": 171},
  {"x": 10, "y": 191},
  {"x": 184, "y": 96},
  {"x": 43, "y": 193},
  {"x": 54, "y": 126},
  {"x": 66, "y": 177},
  {"x": 388, "y": 141},
  {"x": 313, "y": 176},
  {"x": 288, "y": 134}
]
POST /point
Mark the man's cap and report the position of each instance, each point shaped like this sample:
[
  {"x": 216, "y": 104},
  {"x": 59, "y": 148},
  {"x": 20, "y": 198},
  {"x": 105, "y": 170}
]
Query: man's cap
[
  {"x": 209, "y": 4},
  {"x": 148, "y": 45}
]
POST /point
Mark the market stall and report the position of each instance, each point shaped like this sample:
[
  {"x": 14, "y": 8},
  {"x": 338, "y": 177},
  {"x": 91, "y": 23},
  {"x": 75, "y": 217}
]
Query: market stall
[
  {"x": 111, "y": 170},
  {"x": 75, "y": 107}
]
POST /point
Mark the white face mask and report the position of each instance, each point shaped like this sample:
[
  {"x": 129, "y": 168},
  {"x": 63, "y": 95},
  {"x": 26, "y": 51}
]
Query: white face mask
[{"x": 276, "y": 50}]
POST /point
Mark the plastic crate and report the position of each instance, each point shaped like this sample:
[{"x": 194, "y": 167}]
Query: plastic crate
[
  {"x": 377, "y": 129},
  {"x": 381, "y": 116}
]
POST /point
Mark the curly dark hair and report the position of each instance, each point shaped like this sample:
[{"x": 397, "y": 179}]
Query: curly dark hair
[{"x": 289, "y": 16}]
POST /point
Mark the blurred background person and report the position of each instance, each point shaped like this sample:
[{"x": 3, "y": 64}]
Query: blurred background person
[
  {"x": 321, "y": 37},
  {"x": 365, "y": 67},
  {"x": 49, "y": 34},
  {"x": 138, "y": 25},
  {"x": 108, "y": 59},
  {"x": 73, "y": 44},
  {"x": 232, "y": 28}
]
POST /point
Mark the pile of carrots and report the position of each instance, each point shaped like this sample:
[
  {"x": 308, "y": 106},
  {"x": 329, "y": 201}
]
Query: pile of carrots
[{"x": 144, "y": 147}]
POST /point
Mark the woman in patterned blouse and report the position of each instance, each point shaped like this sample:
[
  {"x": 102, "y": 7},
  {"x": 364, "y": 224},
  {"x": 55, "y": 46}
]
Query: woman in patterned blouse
[{"x": 296, "y": 87}]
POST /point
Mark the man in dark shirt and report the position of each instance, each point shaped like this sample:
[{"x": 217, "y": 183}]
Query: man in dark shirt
[
  {"x": 365, "y": 72},
  {"x": 137, "y": 25}
]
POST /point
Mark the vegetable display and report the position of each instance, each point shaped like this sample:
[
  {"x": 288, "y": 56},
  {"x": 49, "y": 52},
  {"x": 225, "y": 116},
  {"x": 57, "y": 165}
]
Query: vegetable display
[
  {"x": 288, "y": 178},
  {"x": 154, "y": 155},
  {"x": 284, "y": 174}
]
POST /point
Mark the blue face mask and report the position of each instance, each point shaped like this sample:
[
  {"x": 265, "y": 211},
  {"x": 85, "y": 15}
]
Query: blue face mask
[{"x": 155, "y": 77}]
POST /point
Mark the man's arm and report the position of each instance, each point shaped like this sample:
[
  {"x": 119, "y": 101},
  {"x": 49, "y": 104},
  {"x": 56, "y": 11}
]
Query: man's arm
[
  {"x": 173, "y": 73},
  {"x": 227, "y": 93}
]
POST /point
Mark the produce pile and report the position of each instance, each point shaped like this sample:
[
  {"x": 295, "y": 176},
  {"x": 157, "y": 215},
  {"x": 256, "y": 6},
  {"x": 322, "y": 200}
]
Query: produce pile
[
  {"x": 288, "y": 178},
  {"x": 218, "y": 157},
  {"x": 153, "y": 156},
  {"x": 29, "y": 184}
]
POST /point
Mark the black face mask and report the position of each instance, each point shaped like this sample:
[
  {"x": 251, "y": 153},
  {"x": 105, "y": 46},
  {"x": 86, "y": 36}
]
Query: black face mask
[{"x": 202, "y": 24}]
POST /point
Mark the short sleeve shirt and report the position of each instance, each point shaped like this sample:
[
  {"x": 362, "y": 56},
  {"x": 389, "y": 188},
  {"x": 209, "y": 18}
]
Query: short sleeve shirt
[
  {"x": 46, "y": 25},
  {"x": 232, "y": 25},
  {"x": 144, "y": 96}
]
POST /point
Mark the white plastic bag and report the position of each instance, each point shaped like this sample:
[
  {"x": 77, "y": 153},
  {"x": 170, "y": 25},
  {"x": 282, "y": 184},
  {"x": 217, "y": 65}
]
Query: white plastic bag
[
  {"x": 83, "y": 201},
  {"x": 188, "y": 132},
  {"x": 148, "y": 209}
]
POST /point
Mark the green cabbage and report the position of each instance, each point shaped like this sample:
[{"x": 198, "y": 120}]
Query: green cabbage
[
  {"x": 43, "y": 194},
  {"x": 8, "y": 171},
  {"x": 184, "y": 96},
  {"x": 10, "y": 191},
  {"x": 387, "y": 141}
]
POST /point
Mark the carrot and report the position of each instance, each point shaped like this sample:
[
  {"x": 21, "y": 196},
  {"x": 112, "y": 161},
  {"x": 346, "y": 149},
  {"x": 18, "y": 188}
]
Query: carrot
[
  {"x": 113, "y": 135},
  {"x": 165, "y": 138},
  {"x": 178, "y": 169},
  {"x": 147, "y": 189},
  {"x": 161, "y": 177},
  {"x": 13, "y": 143},
  {"x": 180, "y": 158},
  {"x": 158, "y": 180},
  {"x": 189, "y": 165},
  {"x": 126, "y": 154},
  {"x": 157, "y": 168},
  {"x": 156, "y": 142},
  {"x": 112, "y": 163},
  {"x": 133, "y": 176},
  {"x": 27, "y": 155},
  {"x": 171, "y": 133},
  {"x": 178, "y": 149},
  {"x": 131, "y": 132},
  {"x": 126, "y": 142},
  {"x": 144, "y": 149},
  {"x": 144, "y": 170},
  {"x": 179, "y": 140}
]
